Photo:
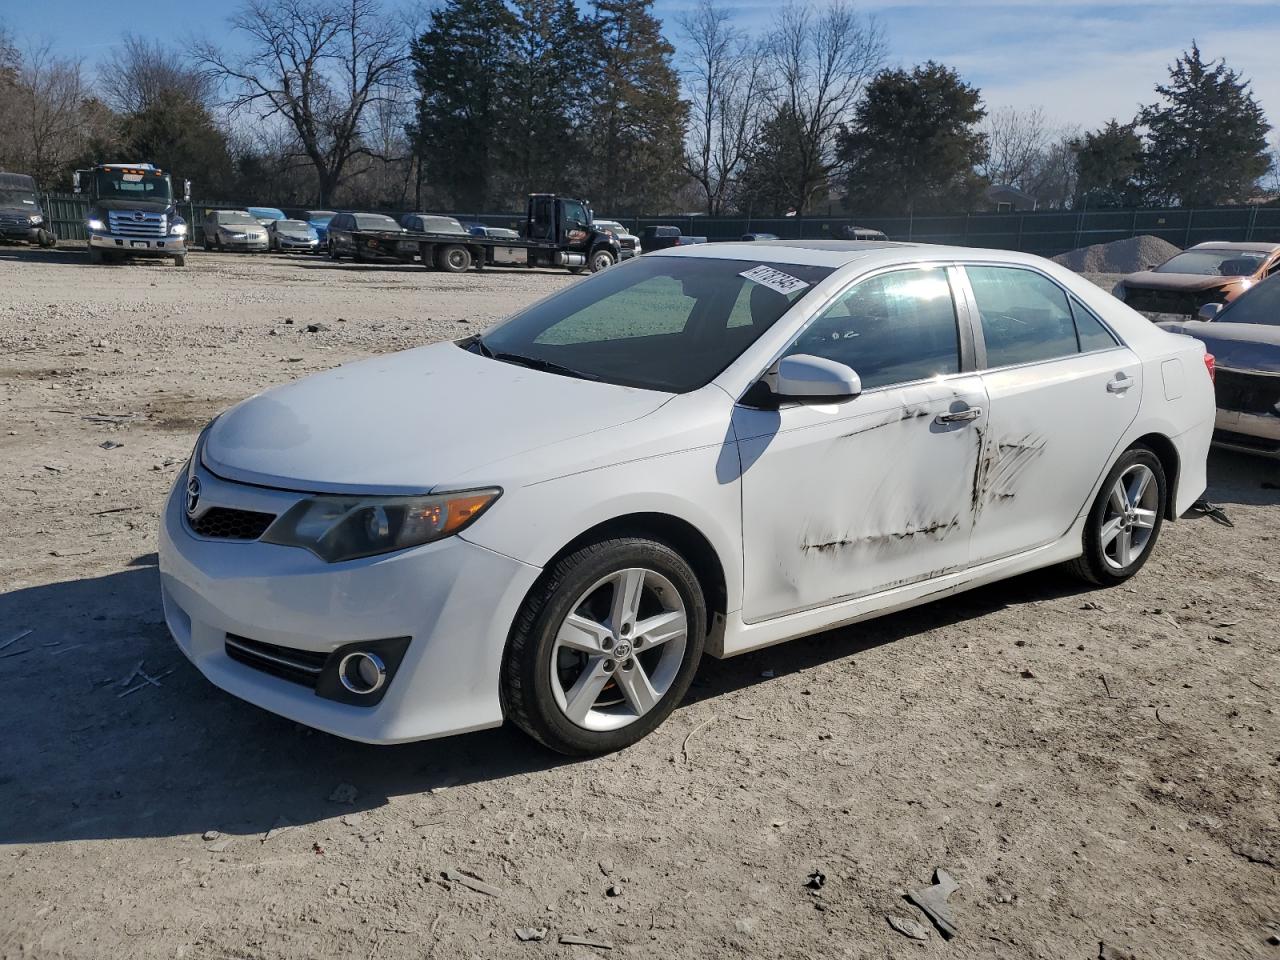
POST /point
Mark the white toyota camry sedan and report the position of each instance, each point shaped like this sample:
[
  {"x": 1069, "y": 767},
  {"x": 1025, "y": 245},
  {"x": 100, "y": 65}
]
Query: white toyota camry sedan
[{"x": 704, "y": 450}]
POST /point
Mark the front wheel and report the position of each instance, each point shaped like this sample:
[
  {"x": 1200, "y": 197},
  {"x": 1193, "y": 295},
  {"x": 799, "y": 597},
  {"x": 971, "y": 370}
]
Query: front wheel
[
  {"x": 1124, "y": 523},
  {"x": 605, "y": 646},
  {"x": 601, "y": 260},
  {"x": 333, "y": 252},
  {"x": 95, "y": 255},
  {"x": 180, "y": 260}
]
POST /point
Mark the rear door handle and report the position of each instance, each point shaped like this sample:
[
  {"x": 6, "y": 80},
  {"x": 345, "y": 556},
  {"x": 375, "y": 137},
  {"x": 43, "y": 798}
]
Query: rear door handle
[
  {"x": 1119, "y": 383},
  {"x": 959, "y": 416}
]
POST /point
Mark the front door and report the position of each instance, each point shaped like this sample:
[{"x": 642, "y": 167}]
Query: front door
[
  {"x": 1062, "y": 392},
  {"x": 848, "y": 499}
]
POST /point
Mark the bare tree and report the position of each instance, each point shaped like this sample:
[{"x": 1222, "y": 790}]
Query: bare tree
[
  {"x": 724, "y": 80},
  {"x": 45, "y": 112},
  {"x": 819, "y": 63},
  {"x": 1017, "y": 140},
  {"x": 139, "y": 72},
  {"x": 320, "y": 65}
]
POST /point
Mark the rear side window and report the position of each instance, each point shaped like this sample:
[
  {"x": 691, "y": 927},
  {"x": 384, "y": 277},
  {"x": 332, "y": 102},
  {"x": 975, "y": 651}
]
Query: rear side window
[
  {"x": 894, "y": 328},
  {"x": 1093, "y": 335},
  {"x": 1025, "y": 317}
]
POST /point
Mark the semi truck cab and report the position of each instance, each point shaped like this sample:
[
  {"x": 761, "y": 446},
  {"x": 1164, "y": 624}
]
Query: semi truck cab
[{"x": 132, "y": 213}]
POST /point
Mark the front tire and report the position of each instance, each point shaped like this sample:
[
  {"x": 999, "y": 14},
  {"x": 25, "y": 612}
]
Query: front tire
[
  {"x": 601, "y": 260},
  {"x": 95, "y": 256},
  {"x": 605, "y": 646},
  {"x": 180, "y": 260},
  {"x": 1124, "y": 524},
  {"x": 333, "y": 252}
]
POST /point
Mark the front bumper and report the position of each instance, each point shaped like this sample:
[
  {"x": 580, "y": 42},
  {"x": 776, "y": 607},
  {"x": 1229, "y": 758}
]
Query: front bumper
[
  {"x": 169, "y": 246},
  {"x": 19, "y": 233},
  {"x": 306, "y": 246},
  {"x": 453, "y": 599},
  {"x": 252, "y": 245}
]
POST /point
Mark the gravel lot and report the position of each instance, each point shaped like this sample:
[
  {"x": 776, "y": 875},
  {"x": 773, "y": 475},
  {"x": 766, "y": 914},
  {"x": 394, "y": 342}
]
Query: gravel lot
[{"x": 1093, "y": 767}]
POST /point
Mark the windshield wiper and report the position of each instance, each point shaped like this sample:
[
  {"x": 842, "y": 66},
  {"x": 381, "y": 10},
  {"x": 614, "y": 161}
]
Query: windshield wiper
[{"x": 537, "y": 363}]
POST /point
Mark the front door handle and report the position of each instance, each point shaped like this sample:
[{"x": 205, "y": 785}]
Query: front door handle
[
  {"x": 1119, "y": 383},
  {"x": 959, "y": 416}
]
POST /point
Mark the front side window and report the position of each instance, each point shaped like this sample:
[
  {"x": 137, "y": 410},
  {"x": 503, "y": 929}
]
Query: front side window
[
  {"x": 1025, "y": 317},
  {"x": 894, "y": 328},
  {"x": 660, "y": 323},
  {"x": 375, "y": 221}
]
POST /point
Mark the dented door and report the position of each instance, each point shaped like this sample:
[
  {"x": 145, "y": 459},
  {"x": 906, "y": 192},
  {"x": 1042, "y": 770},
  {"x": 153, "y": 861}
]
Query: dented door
[
  {"x": 841, "y": 501},
  {"x": 1060, "y": 401}
]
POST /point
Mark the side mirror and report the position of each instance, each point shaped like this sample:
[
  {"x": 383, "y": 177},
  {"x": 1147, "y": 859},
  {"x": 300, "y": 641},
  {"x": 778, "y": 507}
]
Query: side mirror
[
  {"x": 75, "y": 182},
  {"x": 810, "y": 379},
  {"x": 1209, "y": 311},
  {"x": 186, "y": 190}
]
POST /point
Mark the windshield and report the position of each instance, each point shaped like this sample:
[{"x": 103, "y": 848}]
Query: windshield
[
  {"x": 660, "y": 323},
  {"x": 228, "y": 219},
  {"x": 320, "y": 216},
  {"x": 16, "y": 197},
  {"x": 267, "y": 213},
  {"x": 1259, "y": 305},
  {"x": 1215, "y": 263},
  {"x": 375, "y": 221},
  {"x": 132, "y": 185}
]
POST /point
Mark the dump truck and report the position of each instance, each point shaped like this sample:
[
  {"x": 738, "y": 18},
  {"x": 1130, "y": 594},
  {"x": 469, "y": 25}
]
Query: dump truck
[
  {"x": 132, "y": 213},
  {"x": 557, "y": 232}
]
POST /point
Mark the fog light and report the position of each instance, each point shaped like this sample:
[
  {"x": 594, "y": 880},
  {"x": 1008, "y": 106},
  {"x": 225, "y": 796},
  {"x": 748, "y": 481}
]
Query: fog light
[{"x": 362, "y": 673}]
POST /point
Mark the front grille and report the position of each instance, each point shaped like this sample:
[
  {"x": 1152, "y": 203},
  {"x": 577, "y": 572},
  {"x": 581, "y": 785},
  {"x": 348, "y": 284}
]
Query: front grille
[
  {"x": 127, "y": 223},
  {"x": 1247, "y": 392},
  {"x": 1169, "y": 301},
  {"x": 223, "y": 523},
  {"x": 627, "y": 243},
  {"x": 11, "y": 220},
  {"x": 297, "y": 666}
]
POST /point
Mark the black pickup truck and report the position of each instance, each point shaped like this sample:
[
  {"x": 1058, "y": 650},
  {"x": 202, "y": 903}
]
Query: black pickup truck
[{"x": 558, "y": 232}]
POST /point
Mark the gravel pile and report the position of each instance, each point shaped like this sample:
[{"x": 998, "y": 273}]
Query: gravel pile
[{"x": 1122, "y": 256}]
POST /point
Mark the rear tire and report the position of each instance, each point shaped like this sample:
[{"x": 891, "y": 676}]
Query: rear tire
[
  {"x": 454, "y": 258},
  {"x": 1124, "y": 523},
  {"x": 609, "y": 687}
]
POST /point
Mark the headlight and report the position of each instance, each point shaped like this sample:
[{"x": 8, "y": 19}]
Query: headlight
[
  {"x": 97, "y": 225},
  {"x": 345, "y": 528},
  {"x": 178, "y": 230},
  {"x": 36, "y": 219}
]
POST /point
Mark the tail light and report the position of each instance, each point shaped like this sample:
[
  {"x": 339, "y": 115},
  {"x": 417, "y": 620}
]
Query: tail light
[{"x": 1211, "y": 366}]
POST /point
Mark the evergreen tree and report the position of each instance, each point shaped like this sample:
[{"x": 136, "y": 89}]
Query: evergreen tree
[
  {"x": 768, "y": 186},
  {"x": 460, "y": 65},
  {"x": 1207, "y": 140},
  {"x": 178, "y": 135},
  {"x": 544, "y": 91},
  {"x": 914, "y": 143},
  {"x": 635, "y": 130},
  {"x": 1109, "y": 167}
]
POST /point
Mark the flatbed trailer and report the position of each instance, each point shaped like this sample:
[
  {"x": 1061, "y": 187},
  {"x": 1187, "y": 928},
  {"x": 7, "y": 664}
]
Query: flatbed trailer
[{"x": 559, "y": 232}]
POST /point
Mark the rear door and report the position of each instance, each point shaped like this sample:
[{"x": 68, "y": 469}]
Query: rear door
[
  {"x": 1062, "y": 391},
  {"x": 847, "y": 499}
]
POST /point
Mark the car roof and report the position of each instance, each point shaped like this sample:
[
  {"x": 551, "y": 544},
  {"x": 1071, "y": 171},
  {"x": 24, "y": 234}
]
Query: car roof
[{"x": 1253, "y": 246}]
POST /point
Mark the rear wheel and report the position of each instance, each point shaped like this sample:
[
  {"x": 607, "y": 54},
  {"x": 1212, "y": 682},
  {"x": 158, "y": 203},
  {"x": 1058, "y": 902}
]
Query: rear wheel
[
  {"x": 1124, "y": 523},
  {"x": 605, "y": 646},
  {"x": 454, "y": 258}
]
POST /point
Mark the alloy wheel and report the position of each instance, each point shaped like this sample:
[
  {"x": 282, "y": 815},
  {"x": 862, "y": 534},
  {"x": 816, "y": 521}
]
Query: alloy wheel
[
  {"x": 619, "y": 650},
  {"x": 1129, "y": 518}
]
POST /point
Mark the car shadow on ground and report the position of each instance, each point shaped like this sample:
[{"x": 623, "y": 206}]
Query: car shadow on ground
[
  {"x": 93, "y": 751},
  {"x": 77, "y": 255}
]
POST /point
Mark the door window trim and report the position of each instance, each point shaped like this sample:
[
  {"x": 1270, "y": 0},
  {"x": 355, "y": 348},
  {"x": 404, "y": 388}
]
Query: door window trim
[
  {"x": 979, "y": 336},
  {"x": 965, "y": 341}
]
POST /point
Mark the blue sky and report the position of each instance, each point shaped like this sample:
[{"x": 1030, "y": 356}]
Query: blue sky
[{"x": 1082, "y": 62}]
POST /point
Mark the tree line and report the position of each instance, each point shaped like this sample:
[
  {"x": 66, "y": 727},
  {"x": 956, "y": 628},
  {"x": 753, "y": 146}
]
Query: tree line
[{"x": 479, "y": 102}]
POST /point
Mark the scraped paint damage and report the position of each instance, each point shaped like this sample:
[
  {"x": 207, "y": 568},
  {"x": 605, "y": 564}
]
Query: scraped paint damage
[
  {"x": 937, "y": 529},
  {"x": 1000, "y": 465}
]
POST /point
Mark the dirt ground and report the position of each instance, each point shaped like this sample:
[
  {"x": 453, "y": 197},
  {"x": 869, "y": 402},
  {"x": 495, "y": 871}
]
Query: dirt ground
[{"x": 1097, "y": 769}]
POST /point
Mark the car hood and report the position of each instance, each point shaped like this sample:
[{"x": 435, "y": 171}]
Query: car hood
[
  {"x": 21, "y": 209},
  {"x": 408, "y": 422},
  {"x": 1182, "y": 282},
  {"x": 1236, "y": 346}
]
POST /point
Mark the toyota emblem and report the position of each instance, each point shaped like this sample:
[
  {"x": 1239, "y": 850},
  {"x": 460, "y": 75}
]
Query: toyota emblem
[{"x": 193, "y": 496}]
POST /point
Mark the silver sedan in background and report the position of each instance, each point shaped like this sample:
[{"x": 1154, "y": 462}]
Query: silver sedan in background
[{"x": 292, "y": 235}]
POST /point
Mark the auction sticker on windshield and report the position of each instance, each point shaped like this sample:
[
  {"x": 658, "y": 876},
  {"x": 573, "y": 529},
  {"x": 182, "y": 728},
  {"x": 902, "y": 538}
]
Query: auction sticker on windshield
[{"x": 783, "y": 283}]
